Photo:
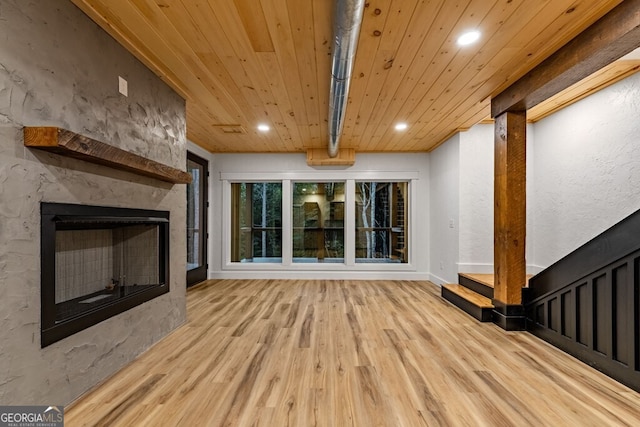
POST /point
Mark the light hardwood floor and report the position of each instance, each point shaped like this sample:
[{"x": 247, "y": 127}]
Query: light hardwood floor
[{"x": 349, "y": 353}]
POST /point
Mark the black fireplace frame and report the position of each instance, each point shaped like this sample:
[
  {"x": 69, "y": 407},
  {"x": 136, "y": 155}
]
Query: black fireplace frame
[{"x": 65, "y": 216}]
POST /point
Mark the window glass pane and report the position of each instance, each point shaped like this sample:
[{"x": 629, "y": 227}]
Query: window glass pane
[
  {"x": 194, "y": 201},
  {"x": 256, "y": 222},
  {"x": 318, "y": 222},
  {"x": 381, "y": 222}
]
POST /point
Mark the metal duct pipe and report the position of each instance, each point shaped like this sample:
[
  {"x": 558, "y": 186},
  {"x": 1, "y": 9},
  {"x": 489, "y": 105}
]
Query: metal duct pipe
[{"x": 346, "y": 29}]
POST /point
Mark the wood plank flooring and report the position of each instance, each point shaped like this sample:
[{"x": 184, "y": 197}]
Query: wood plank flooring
[{"x": 348, "y": 353}]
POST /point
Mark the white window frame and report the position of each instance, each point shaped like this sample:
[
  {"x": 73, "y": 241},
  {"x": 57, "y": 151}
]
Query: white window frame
[{"x": 287, "y": 178}]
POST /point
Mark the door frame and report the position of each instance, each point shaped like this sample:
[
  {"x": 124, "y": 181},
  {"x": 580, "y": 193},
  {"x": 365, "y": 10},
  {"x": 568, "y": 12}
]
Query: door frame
[{"x": 199, "y": 274}]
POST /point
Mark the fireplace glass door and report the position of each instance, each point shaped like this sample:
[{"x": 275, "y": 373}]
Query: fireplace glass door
[
  {"x": 98, "y": 262},
  {"x": 96, "y": 267}
]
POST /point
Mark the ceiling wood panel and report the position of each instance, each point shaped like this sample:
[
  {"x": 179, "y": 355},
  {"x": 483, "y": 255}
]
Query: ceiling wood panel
[
  {"x": 302, "y": 33},
  {"x": 445, "y": 110},
  {"x": 564, "y": 24},
  {"x": 323, "y": 12},
  {"x": 361, "y": 97},
  {"x": 471, "y": 65},
  {"x": 403, "y": 72},
  {"x": 448, "y": 62},
  {"x": 277, "y": 16},
  {"x": 255, "y": 25},
  {"x": 218, "y": 83},
  {"x": 281, "y": 101},
  {"x": 389, "y": 66},
  {"x": 235, "y": 51},
  {"x": 243, "y": 62}
]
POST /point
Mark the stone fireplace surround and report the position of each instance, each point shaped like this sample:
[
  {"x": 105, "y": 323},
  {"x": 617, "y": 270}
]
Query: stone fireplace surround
[{"x": 58, "y": 68}]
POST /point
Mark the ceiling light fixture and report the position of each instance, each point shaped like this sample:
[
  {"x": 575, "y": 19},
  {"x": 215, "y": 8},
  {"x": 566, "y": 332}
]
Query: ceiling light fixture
[
  {"x": 263, "y": 128},
  {"x": 401, "y": 126},
  {"x": 468, "y": 38}
]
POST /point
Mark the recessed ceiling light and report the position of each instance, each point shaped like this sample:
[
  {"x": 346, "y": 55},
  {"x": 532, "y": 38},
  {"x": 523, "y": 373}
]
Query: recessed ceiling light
[
  {"x": 468, "y": 38},
  {"x": 263, "y": 127},
  {"x": 401, "y": 126}
]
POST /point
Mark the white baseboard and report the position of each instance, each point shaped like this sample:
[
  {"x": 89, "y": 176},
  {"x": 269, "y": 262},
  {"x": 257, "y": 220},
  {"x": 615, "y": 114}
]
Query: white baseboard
[
  {"x": 313, "y": 275},
  {"x": 357, "y": 275},
  {"x": 438, "y": 280}
]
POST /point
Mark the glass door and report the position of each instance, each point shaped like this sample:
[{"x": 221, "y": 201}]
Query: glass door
[{"x": 197, "y": 205}]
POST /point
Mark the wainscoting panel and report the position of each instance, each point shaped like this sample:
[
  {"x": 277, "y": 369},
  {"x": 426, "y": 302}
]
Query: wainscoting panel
[{"x": 596, "y": 319}]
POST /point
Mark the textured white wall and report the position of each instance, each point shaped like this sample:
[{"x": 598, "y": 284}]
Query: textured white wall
[
  {"x": 583, "y": 176},
  {"x": 586, "y": 173},
  {"x": 444, "y": 179},
  {"x": 476, "y": 199}
]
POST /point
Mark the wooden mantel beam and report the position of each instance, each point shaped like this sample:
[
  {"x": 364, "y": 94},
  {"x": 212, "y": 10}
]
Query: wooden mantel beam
[
  {"x": 613, "y": 36},
  {"x": 70, "y": 144}
]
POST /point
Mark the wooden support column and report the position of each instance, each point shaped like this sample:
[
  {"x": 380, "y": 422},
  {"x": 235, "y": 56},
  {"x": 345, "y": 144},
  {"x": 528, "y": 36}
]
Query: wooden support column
[
  {"x": 612, "y": 36},
  {"x": 509, "y": 219}
]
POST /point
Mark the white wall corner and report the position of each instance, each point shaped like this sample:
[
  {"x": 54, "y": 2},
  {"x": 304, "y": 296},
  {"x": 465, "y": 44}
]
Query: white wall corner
[
  {"x": 444, "y": 215},
  {"x": 438, "y": 280},
  {"x": 199, "y": 151}
]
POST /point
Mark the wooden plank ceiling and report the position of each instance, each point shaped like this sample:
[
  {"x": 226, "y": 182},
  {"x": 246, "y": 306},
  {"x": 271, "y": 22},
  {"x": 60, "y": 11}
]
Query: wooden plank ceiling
[{"x": 239, "y": 63}]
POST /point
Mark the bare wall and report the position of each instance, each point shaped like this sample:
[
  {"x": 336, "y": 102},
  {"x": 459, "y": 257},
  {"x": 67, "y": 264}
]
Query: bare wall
[
  {"x": 57, "y": 68},
  {"x": 444, "y": 215},
  {"x": 587, "y": 169},
  {"x": 583, "y": 170}
]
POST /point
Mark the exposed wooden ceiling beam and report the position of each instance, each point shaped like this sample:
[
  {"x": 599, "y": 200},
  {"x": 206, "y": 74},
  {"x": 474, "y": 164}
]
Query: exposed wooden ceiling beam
[
  {"x": 601, "y": 79},
  {"x": 613, "y": 36}
]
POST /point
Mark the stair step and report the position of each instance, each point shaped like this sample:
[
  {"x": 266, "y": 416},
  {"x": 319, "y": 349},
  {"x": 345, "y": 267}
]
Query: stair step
[
  {"x": 480, "y": 283},
  {"x": 472, "y": 303}
]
